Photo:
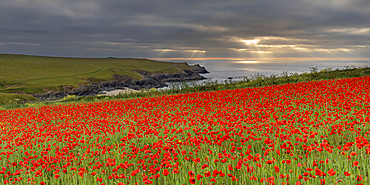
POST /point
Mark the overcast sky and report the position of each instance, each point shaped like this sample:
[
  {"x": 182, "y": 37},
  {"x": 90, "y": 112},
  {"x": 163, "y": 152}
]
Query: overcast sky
[{"x": 187, "y": 28}]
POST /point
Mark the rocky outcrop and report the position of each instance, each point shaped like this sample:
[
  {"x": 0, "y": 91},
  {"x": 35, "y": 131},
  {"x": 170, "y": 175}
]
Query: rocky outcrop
[
  {"x": 50, "y": 96},
  {"x": 95, "y": 89},
  {"x": 198, "y": 69},
  {"x": 149, "y": 81},
  {"x": 184, "y": 75},
  {"x": 68, "y": 88}
]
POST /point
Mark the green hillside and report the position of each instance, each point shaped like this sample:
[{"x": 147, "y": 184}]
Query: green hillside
[{"x": 27, "y": 74}]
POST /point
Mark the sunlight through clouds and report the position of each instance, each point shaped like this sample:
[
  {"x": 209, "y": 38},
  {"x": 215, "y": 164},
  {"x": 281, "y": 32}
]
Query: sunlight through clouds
[
  {"x": 249, "y": 42},
  {"x": 194, "y": 53},
  {"x": 351, "y": 31},
  {"x": 248, "y": 62},
  {"x": 261, "y": 52},
  {"x": 260, "y": 47}
]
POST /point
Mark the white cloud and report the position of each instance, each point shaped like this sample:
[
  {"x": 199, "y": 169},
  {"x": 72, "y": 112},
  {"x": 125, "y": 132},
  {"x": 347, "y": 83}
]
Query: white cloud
[
  {"x": 261, "y": 52},
  {"x": 333, "y": 50},
  {"x": 274, "y": 45},
  {"x": 351, "y": 31},
  {"x": 249, "y": 42}
]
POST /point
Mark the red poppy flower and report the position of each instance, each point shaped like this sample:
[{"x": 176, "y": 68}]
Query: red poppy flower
[
  {"x": 355, "y": 163},
  {"x": 192, "y": 180},
  {"x": 191, "y": 173},
  {"x": 165, "y": 172},
  {"x": 331, "y": 172},
  {"x": 207, "y": 174}
]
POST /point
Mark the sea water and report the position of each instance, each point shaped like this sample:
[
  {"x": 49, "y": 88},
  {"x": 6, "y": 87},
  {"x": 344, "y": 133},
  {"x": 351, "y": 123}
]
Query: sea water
[{"x": 221, "y": 70}]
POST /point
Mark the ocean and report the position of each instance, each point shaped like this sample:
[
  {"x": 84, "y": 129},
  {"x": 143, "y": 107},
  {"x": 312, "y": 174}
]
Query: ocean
[{"x": 221, "y": 70}]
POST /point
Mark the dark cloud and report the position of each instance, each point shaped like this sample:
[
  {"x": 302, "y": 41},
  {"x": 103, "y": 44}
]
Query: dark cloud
[{"x": 166, "y": 28}]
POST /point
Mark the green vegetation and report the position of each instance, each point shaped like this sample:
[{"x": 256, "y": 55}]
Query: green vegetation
[
  {"x": 15, "y": 98},
  {"x": 304, "y": 133},
  {"x": 37, "y": 74},
  {"x": 257, "y": 80}
]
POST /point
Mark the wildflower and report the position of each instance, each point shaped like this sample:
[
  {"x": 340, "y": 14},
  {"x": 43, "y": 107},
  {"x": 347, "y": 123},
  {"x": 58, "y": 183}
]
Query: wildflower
[
  {"x": 355, "y": 163},
  {"x": 318, "y": 172},
  {"x": 322, "y": 181},
  {"x": 192, "y": 180},
  {"x": 207, "y": 174},
  {"x": 331, "y": 172},
  {"x": 81, "y": 173},
  {"x": 133, "y": 173},
  {"x": 165, "y": 172},
  {"x": 191, "y": 173}
]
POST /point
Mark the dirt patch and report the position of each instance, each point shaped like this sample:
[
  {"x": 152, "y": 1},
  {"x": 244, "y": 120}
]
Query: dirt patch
[
  {"x": 118, "y": 91},
  {"x": 14, "y": 86}
]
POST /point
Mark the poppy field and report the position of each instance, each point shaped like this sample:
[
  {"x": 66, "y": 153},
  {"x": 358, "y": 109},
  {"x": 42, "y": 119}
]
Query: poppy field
[{"x": 303, "y": 133}]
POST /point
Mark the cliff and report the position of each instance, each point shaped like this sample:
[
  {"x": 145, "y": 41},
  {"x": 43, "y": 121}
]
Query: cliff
[{"x": 148, "y": 81}]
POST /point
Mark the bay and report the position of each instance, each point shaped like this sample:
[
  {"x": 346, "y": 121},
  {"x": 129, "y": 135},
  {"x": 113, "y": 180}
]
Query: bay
[{"x": 221, "y": 70}]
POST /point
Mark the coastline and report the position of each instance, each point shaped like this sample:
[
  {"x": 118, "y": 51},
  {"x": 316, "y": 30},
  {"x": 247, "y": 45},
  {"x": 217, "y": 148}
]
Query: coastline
[{"x": 126, "y": 84}]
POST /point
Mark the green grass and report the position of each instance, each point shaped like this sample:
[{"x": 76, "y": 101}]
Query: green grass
[
  {"x": 37, "y": 74},
  {"x": 257, "y": 80},
  {"x": 10, "y": 98}
]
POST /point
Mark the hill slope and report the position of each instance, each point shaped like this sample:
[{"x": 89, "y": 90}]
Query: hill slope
[{"x": 38, "y": 74}]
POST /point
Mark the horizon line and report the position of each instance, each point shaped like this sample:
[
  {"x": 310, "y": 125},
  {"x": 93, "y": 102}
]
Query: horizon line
[
  {"x": 281, "y": 58},
  {"x": 203, "y": 58}
]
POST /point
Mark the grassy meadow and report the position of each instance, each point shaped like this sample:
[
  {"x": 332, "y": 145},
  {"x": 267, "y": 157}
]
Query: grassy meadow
[{"x": 27, "y": 74}]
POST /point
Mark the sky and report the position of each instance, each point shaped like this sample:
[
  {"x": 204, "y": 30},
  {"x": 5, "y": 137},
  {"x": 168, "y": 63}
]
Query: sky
[{"x": 187, "y": 29}]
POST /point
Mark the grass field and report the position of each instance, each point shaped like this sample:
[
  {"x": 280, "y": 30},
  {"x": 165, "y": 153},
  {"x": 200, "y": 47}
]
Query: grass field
[
  {"x": 15, "y": 98},
  {"x": 36, "y": 74},
  {"x": 310, "y": 133}
]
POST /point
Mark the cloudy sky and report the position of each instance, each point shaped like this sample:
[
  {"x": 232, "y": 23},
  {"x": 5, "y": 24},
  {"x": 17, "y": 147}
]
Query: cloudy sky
[{"x": 187, "y": 29}]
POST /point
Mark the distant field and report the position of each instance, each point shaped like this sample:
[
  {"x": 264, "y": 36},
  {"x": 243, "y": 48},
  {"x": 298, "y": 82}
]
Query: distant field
[{"x": 37, "y": 74}]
